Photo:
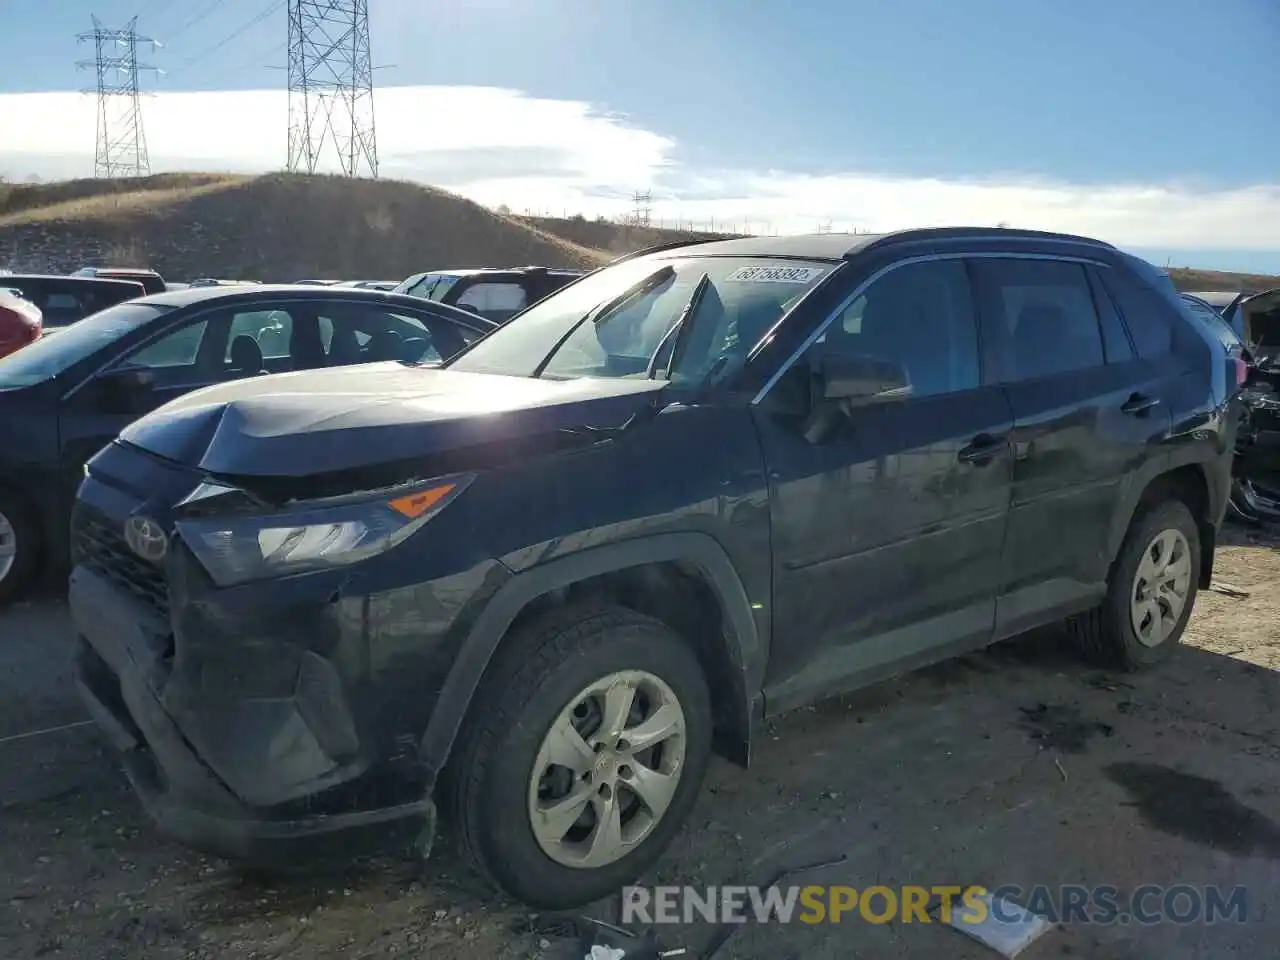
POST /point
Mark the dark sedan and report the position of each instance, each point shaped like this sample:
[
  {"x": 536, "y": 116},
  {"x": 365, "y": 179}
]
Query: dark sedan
[{"x": 63, "y": 398}]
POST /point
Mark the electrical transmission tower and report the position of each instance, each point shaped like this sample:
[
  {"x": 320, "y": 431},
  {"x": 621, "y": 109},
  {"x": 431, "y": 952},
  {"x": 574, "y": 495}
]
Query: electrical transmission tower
[
  {"x": 331, "y": 86},
  {"x": 121, "y": 149},
  {"x": 642, "y": 214}
]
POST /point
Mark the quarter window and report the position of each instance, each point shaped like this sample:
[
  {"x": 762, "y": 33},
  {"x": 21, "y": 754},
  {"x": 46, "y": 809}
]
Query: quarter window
[
  {"x": 1041, "y": 315},
  {"x": 1145, "y": 312},
  {"x": 920, "y": 316}
]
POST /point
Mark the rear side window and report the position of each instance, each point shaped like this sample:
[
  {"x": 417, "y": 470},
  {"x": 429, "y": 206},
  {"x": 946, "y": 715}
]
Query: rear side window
[
  {"x": 497, "y": 301},
  {"x": 1041, "y": 315},
  {"x": 1145, "y": 312}
]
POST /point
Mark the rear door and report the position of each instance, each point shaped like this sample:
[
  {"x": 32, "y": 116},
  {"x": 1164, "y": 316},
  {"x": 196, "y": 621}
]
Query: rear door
[{"x": 1089, "y": 412}]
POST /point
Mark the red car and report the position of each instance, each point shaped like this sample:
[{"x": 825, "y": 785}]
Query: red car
[{"x": 20, "y": 323}]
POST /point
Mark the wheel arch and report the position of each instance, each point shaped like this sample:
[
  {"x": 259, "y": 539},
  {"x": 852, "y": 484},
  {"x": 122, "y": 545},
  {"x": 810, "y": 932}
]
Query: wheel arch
[
  {"x": 1189, "y": 482},
  {"x": 636, "y": 573}
]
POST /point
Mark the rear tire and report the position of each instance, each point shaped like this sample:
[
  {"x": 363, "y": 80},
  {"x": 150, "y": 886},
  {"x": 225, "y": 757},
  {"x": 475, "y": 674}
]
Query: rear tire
[
  {"x": 526, "y": 754},
  {"x": 1150, "y": 593},
  {"x": 19, "y": 546}
]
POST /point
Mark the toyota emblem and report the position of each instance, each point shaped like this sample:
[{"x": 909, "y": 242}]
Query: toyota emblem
[{"x": 146, "y": 538}]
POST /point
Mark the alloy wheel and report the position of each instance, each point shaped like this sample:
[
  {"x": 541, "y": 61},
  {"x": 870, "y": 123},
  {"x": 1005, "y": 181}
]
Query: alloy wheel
[
  {"x": 607, "y": 770},
  {"x": 1160, "y": 587}
]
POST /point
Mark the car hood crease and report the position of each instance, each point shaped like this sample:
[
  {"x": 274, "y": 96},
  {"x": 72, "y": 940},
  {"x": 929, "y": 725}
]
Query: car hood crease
[{"x": 325, "y": 421}]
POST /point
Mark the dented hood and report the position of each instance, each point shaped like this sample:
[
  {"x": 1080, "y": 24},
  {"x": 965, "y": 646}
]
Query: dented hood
[{"x": 320, "y": 421}]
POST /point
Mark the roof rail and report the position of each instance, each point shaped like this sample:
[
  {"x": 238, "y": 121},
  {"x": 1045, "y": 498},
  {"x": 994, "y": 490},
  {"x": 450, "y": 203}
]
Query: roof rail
[{"x": 928, "y": 233}]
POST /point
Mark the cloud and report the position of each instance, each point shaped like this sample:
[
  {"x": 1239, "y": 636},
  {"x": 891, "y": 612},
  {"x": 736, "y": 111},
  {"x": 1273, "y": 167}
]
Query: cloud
[{"x": 500, "y": 146}]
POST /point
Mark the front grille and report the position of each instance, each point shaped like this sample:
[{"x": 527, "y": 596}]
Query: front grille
[{"x": 100, "y": 547}]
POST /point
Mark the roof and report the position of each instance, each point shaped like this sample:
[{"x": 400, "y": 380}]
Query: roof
[
  {"x": 88, "y": 281},
  {"x": 250, "y": 293},
  {"x": 842, "y": 246},
  {"x": 474, "y": 271}
]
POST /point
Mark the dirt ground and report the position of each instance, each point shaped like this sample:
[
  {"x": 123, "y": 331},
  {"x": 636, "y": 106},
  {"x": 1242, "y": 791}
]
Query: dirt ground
[{"x": 1016, "y": 766}]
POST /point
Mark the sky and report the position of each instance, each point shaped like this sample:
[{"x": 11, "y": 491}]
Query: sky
[{"x": 1148, "y": 123}]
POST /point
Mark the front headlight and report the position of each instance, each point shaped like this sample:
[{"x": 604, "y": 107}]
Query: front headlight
[{"x": 315, "y": 535}]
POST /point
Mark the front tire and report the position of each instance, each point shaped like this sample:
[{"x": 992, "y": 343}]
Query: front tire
[
  {"x": 583, "y": 754},
  {"x": 1150, "y": 593}
]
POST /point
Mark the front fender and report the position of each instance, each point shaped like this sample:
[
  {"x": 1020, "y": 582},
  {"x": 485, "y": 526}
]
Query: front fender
[{"x": 742, "y": 642}]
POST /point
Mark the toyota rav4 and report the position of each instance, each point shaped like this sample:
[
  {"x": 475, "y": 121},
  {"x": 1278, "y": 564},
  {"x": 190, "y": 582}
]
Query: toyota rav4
[{"x": 542, "y": 583}]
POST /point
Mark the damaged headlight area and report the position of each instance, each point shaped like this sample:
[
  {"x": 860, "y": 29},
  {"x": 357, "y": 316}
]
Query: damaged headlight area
[{"x": 314, "y": 535}]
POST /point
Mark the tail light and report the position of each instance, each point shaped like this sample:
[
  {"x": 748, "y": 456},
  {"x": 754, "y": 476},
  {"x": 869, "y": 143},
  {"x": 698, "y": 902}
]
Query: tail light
[{"x": 1242, "y": 371}]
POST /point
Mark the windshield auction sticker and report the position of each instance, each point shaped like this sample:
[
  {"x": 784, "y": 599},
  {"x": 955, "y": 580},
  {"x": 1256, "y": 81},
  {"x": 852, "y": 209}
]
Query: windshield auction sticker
[{"x": 775, "y": 274}]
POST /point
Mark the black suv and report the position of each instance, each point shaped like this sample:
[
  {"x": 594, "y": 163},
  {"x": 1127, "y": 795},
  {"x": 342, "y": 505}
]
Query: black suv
[
  {"x": 699, "y": 487},
  {"x": 495, "y": 294}
]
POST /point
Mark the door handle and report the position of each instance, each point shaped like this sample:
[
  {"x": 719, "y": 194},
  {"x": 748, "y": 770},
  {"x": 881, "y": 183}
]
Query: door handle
[
  {"x": 983, "y": 449},
  {"x": 1139, "y": 403}
]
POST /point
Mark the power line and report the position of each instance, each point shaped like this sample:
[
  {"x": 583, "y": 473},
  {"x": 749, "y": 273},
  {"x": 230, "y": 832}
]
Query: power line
[
  {"x": 121, "y": 149},
  {"x": 243, "y": 28},
  {"x": 203, "y": 14},
  {"x": 331, "y": 86}
]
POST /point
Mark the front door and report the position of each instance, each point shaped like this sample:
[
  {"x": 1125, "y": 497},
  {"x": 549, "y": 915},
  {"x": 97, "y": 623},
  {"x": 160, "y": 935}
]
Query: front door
[
  {"x": 1088, "y": 412},
  {"x": 887, "y": 533}
]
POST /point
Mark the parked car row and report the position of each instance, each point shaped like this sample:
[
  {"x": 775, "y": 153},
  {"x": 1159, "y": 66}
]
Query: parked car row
[
  {"x": 64, "y": 397},
  {"x": 540, "y": 579}
]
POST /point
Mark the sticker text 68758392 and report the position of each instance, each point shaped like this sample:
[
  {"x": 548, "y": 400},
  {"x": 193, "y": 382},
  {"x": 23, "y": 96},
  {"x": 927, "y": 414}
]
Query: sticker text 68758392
[{"x": 762, "y": 274}]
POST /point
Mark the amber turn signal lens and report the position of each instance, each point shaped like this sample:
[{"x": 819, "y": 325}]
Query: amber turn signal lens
[{"x": 414, "y": 505}]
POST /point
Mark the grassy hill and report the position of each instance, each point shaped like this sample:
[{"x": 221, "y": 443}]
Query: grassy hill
[
  {"x": 286, "y": 227},
  {"x": 273, "y": 227}
]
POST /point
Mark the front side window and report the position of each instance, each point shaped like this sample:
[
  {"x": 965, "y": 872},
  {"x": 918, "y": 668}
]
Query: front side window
[
  {"x": 177, "y": 349},
  {"x": 919, "y": 316},
  {"x": 1042, "y": 314},
  {"x": 613, "y": 322}
]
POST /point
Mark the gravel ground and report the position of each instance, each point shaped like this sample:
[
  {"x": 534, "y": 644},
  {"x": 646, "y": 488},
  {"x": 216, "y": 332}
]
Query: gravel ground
[{"x": 1016, "y": 766}]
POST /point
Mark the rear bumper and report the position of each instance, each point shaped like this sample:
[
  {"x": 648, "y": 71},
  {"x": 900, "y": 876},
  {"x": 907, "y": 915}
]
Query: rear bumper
[{"x": 125, "y": 675}]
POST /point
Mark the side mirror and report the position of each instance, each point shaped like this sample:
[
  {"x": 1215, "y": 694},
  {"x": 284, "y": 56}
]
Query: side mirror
[
  {"x": 126, "y": 390},
  {"x": 860, "y": 380}
]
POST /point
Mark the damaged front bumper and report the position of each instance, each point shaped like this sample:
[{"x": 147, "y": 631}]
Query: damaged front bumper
[{"x": 250, "y": 770}]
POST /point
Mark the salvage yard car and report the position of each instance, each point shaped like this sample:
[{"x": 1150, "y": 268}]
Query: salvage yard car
[
  {"x": 21, "y": 323},
  {"x": 495, "y": 294},
  {"x": 64, "y": 397},
  {"x": 66, "y": 300},
  {"x": 702, "y": 486}
]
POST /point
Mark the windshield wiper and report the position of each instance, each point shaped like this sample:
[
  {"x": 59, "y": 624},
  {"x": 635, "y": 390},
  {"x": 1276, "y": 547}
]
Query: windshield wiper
[
  {"x": 602, "y": 312},
  {"x": 675, "y": 333}
]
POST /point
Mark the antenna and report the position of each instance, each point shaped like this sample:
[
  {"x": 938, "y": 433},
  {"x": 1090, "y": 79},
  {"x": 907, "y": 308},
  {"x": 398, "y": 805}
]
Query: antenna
[
  {"x": 331, "y": 86},
  {"x": 121, "y": 149}
]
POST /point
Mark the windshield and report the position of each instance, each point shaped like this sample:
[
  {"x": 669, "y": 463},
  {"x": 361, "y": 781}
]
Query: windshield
[
  {"x": 431, "y": 287},
  {"x": 613, "y": 322},
  {"x": 49, "y": 356}
]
